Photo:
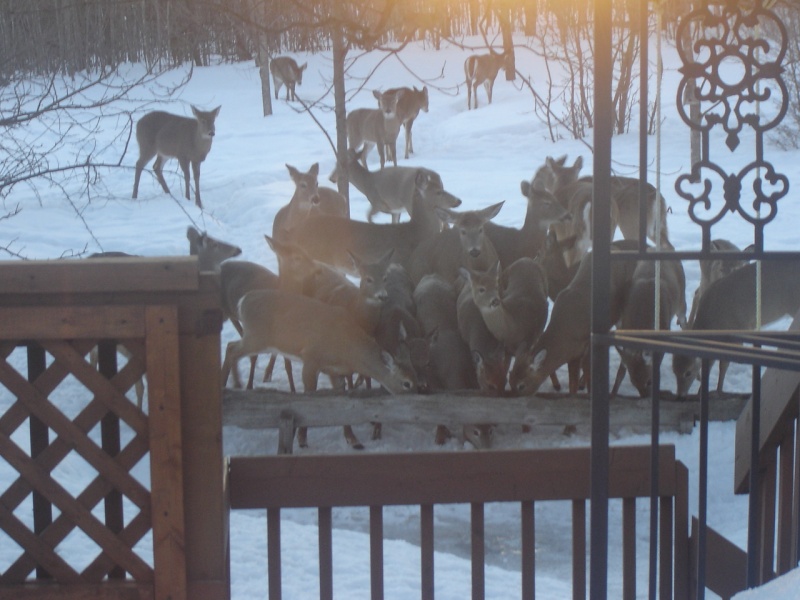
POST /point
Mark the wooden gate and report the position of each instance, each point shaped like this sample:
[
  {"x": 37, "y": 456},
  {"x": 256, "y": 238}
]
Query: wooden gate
[{"x": 162, "y": 317}]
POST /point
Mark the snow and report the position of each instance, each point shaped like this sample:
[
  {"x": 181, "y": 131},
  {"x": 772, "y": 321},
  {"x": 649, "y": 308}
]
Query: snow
[{"x": 482, "y": 156}]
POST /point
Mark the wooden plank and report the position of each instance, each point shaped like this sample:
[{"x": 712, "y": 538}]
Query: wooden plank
[
  {"x": 171, "y": 273},
  {"x": 426, "y": 551},
  {"x": 478, "y": 550},
  {"x": 786, "y": 485},
  {"x": 376, "y": 552},
  {"x": 628, "y": 548},
  {"x": 528, "y": 543},
  {"x": 166, "y": 457},
  {"x": 665, "y": 575},
  {"x": 112, "y": 590},
  {"x": 203, "y": 462},
  {"x": 325, "y": 529},
  {"x": 682, "y": 579},
  {"x": 578, "y": 550},
  {"x": 438, "y": 477},
  {"x": 778, "y": 406},
  {"x": 262, "y": 409},
  {"x": 768, "y": 482},
  {"x": 274, "y": 553},
  {"x": 71, "y": 322},
  {"x": 726, "y": 563}
]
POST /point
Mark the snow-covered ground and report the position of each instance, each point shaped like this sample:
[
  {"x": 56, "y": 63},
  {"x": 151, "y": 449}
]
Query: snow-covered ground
[{"x": 482, "y": 156}]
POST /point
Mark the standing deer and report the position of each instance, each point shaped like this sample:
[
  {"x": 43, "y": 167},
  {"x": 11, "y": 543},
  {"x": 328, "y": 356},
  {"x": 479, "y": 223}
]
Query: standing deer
[
  {"x": 328, "y": 239},
  {"x": 375, "y": 127},
  {"x": 566, "y": 338},
  {"x": 639, "y": 314},
  {"x": 730, "y": 304},
  {"x": 462, "y": 245},
  {"x": 324, "y": 337},
  {"x": 553, "y": 174},
  {"x": 172, "y": 136},
  {"x": 713, "y": 269},
  {"x": 308, "y": 199},
  {"x": 285, "y": 71},
  {"x": 409, "y": 103},
  {"x": 511, "y": 243},
  {"x": 482, "y": 69}
]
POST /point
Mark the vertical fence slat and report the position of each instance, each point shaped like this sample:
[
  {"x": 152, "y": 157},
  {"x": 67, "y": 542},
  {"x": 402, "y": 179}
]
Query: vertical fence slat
[
  {"x": 109, "y": 433},
  {"x": 629, "y": 548},
  {"x": 579, "y": 549},
  {"x": 325, "y": 526},
  {"x": 376, "y": 551},
  {"x": 786, "y": 482},
  {"x": 166, "y": 452},
  {"x": 702, "y": 483},
  {"x": 528, "y": 519},
  {"x": 274, "y": 553},
  {"x": 665, "y": 544},
  {"x": 754, "y": 510},
  {"x": 681, "y": 577},
  {"x": 426, "y": 551},
  {"x": 40, "y": 439},
  {"x": 768, "y": 485},
  {"x": 478, "y": 551}
]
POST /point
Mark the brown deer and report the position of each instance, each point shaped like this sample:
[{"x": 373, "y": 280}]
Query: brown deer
[
  {"x": 324, "y": 337},
  {"x": 173, "y": 136},
  {"x": 482, "y": 69},
  {"x": 464, "y": 244},
  {"x": 713, "y": 269},
  {"x": 730, "y": 304},
  {"x": 639, "y": 314},
  {"x": 375, "y": 127},
  {"x": 409, "y": 103},
  {"x": 285, "y": 71}
]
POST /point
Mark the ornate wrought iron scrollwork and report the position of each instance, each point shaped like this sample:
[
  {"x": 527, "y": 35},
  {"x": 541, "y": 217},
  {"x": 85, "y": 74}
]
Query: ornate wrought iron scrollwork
[{"x": 732, "y": 54}]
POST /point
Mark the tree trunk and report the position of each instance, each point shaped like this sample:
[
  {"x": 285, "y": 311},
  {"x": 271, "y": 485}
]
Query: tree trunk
[{"x": 339, "y": 54}]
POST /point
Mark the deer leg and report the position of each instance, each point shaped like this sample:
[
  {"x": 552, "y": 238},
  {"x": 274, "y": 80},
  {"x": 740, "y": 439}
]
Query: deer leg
[
  {"x": 377, "y": 431},
  {"x": 487, "y": 85},
  {"x": 140, "y": 164},
  {"x": 574, "y": 370},
  {"x": 723, "y": 369},
  {"x": 555, "y": 382},
  {"x": 196, "y": 172},
  {"x": 250, "y": 377},
  {"x": 159, "y": 175},
  {"x": 442, "y": 435},
  {"x": 287, "y": 364},
  {"x": 409, "y": 142},
  {"x": 621, "y": 371},
  {"x": 233, "y": 352}
]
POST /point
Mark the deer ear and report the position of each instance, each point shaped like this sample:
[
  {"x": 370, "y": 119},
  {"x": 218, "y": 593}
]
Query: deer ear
[
  {"x": 293, "y": 172},
  {"x": 216, "y": 111},
  {"x": 525, "y": 187},
  {"x": 377, "y": 95},
  {"x": 314, "y": 170},
  {"x": 422, "y": 180}
]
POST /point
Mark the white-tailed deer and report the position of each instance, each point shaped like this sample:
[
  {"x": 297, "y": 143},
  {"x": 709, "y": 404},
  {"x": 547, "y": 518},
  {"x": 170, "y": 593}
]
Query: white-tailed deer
[
  {"x": 409, "y": 103},
  {"x": 285, "y": 71},
  {"x": 462, "y": 245},
  {"x": 390, "y": 190},
  {"x": 553, "y": 175},
  {"x": 172, "y": 136},
  {"x": 730, "y": 304},
  {"x": 328, "y": 239},
  {"x": 308, "y": 199},
  {"x": 566, "y": 338},
  {"x": 551, "y": 258},
  {"x": 375, "y": 127},
  {"x": 211, "y": 255},
  {"x": 482, "y": 69},
  {"x": 639, "y": 314},
  {"x": 711, "y": 270},
  {"x": 489, "y": 357},
  {"x": 511, "y": 243},
  {"x": 513, "y": 301},
  {"x": 324, "y": 337}
]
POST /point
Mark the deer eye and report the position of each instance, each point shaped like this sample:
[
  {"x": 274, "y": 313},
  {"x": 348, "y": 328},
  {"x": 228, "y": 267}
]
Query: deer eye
[{"x": 370, "y": 280}]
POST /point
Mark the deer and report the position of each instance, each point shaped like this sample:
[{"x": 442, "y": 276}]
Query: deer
[
  {"x": 554, "y": 174},
  {"x": 511, "y": 243},
  {"x": 390, "y": 190},
  {"x": 450, "y": 358},
  {"x": 729, "y": 304},
  {"x": 308, "y": 198},
  {"x": 285, "y": 71},
  {"x": 409, "y": 103},
  {"x": 464, "y": 244},
  {"x": 212, "y": 255},
  {"x": 375, "y": 127},
  {"x": 173, "y": 136},
  {"x": 328, "y": 238},
  {"x": 324, "y": 337},
  {"x": 482, "y": 69},
  {"x": 713, "y": 269},
  {"x": 565, "y": 340},
  {"x": 638, "y": 313}
]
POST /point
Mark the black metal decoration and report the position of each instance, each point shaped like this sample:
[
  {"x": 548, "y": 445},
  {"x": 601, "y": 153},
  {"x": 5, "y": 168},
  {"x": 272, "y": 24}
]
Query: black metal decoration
[{"x": 732, "y": 54}]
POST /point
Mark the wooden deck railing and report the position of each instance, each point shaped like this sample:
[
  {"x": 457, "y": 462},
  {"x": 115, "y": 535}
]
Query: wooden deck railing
[{"x": 525, "y": 477}]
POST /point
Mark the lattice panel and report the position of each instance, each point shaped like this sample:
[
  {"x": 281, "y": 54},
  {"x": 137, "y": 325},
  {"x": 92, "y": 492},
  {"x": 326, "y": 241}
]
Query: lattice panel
[{"x": 92, "y": 517}]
